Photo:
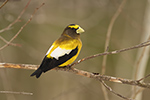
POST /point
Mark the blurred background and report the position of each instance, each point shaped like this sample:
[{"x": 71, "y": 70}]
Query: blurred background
[{"x": 46, "y": 26}]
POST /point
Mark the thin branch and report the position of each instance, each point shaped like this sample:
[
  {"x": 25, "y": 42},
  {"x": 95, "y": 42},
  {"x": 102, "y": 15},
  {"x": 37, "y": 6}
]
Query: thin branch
[
  {"x": 18, "y": 18},
  {"x": 81, "y": 73},
  {"x": 109, "y": 33},
  {"x": 144, "y": 44},
  {"x": 111, "y": 90},
  {"x": 22, "y": 27},
  {"x": 12, "y": 92},
  {"x": 4, "y": 4},
  {"x": 144, "y": 77},
  {"x": 13, "y": 44},
  {"x": 139, "y": 61}
]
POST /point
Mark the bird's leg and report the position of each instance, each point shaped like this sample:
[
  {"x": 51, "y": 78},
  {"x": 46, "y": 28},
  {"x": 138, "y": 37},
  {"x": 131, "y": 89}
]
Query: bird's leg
[
  {"x": 69, "y": 66},
  {"x": 65, "y": 67}
]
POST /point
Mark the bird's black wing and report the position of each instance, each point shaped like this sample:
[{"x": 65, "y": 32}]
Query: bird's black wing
[
  {"x": 54, "y": 62},
  {"x": 49, "y": 63},
  {"x": 66, "y": 57}
]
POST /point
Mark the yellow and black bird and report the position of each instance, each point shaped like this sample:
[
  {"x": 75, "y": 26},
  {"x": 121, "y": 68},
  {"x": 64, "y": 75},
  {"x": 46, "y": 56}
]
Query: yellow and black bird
[{"x": 63, "y": 51}]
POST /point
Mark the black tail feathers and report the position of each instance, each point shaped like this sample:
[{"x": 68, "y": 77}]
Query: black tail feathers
[{"x": 38, "y": 73}]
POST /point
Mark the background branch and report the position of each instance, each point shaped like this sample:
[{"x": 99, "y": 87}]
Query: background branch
[
  {"x": 107, "y": 41},
  {"x": 9, "y": 42},
  {"x": 12, "y": 92},
  {"x": 144, "y": 44},
  {"x": 4, "y": 3},
  {"x": 13, "y": 44},
  {"x": 112, "y": 91},
  {"x": 143, "y": 54},
  {"x": 18, "y": 18}
]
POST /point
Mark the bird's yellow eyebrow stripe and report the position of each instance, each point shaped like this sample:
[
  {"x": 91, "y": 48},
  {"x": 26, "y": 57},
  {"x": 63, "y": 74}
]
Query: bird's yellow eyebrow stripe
[{"x": 74, "y": 26}]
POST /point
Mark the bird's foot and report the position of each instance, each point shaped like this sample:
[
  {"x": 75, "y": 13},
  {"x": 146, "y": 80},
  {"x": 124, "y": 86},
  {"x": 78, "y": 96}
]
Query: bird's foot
[{"x": 66, "y": 67}]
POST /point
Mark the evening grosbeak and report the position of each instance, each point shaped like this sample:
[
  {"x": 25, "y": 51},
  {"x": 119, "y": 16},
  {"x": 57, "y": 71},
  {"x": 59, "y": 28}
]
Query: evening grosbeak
[{"x": 63, "y": 51}]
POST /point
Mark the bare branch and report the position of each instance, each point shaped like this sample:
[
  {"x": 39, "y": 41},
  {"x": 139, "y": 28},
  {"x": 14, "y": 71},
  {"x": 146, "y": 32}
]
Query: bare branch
[
  {"x": 13, "y": 44},
  {"x": 109, "y": 32},
  {"x": 81, "y": 73},
  {"x": 108, "y": 35},
  {"x": 144, "y": 77},
  {"x": 4, "y": 3},
  {"x": 18, "y": 18},
  {"x": 12, "y": 92},
  {"x": 144, "y": 44},
  {"x": 22, "y": 27},
  {"x": 111, "y": 90}
]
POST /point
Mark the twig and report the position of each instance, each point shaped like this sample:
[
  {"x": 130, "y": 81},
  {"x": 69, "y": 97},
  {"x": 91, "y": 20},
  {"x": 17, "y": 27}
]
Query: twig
[
  {"x": 4, "y": 3},
  {"x": 13, "y": 44},
  {"x": 81, "y": 73},
  {"x": 144, "y": 44},
  {"x": 12, "y": 92},
  {"x": 144, "y": 77},
  {"x": 105, "y": 93},
  {"x": 139, "y": 61},
  {"x": 22, "y": 27},
  {"x": 109, "y": 33},
  {"x": 111, "y": 90},
  {"x": 18, "y": 18}
]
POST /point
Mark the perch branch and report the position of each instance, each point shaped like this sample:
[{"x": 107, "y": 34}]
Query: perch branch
[{"x": 81, "y": 73}]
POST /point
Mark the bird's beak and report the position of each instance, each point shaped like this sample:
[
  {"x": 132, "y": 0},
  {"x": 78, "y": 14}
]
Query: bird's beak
[{"x": 80, "y": 30}]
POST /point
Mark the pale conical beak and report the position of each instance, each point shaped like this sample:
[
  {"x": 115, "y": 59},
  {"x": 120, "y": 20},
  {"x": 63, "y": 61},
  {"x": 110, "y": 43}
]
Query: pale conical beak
[{"x": 80, "y": 30}]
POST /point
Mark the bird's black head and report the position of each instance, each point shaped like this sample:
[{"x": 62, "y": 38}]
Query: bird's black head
[{"x": 73, "y": 30}]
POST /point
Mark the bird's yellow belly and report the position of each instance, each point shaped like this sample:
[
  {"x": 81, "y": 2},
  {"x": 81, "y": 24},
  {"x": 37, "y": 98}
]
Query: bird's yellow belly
[{"x": 70, "y": 61}]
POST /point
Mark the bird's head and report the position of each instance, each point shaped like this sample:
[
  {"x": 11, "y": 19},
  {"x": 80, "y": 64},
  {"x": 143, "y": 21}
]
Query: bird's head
[{"x": 73, "y": 30}]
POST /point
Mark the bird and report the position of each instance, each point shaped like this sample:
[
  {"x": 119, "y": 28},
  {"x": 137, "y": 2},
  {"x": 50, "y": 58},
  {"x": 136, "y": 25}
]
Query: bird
[{"x": 63, "y": 51}]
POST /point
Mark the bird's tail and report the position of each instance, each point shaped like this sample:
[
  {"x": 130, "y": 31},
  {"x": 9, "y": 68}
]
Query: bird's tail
[{"x": 38, "y": 73}]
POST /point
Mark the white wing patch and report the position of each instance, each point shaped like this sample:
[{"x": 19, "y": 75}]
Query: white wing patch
[
  {"x": 58, "y": 52},
  {"x": 49, "y": 50}
]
